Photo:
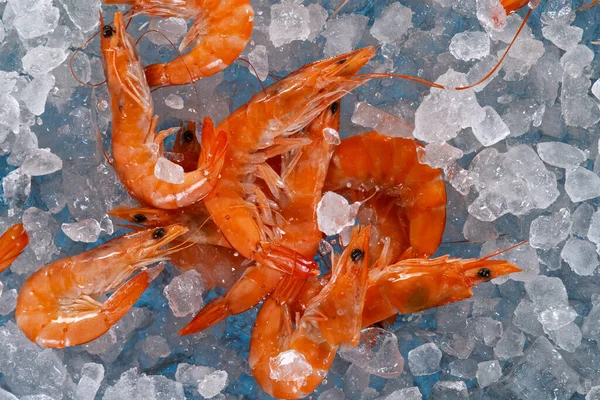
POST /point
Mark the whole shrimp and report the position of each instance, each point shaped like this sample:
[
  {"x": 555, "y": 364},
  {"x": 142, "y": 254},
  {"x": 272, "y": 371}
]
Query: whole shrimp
[
  {"x": 135, "y": 146},
  {"x": 303, "y": 174},
  {"x": 318, "y": 332},
  {"x": 220, "y": 32},
  {"x": 12, "y": 244},
  {"x": 407, "y": 198},
  {"x": 58, "y": 305}
]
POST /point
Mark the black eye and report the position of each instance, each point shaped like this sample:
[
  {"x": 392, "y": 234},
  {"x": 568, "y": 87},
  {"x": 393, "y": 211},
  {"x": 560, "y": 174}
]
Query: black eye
[
  {"x": 484, "y": 273},
  {"x": 139, "y": 218},
  {"x": 188, "y": 136},
  {"x": 159, "y": 233},
  {"x": 108, "y": 31},
  {"x": 357, "y": 255},
  {"x": 334, "y": 107}
]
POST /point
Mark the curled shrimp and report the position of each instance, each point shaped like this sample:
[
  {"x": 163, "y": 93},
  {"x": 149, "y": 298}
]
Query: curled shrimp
[
  {"x": 303, "y": 173},
  {"x": 136, "y": 147},
  {"x": 12, "y": 244},
  {"x": 220, "y": 32},
  {"x": 318, "y": 332},
  {"x": 407, "y": 198},
  {"x": 58, "y": 305}
]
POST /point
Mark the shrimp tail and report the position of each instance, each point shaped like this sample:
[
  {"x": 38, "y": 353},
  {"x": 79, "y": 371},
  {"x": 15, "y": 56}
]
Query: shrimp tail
[
  {"x": 284, "y": 259},
  {"x": 12, "y": 244},
  {"x": 214, "y": 312},
  {"x": 194, "y": 35}
]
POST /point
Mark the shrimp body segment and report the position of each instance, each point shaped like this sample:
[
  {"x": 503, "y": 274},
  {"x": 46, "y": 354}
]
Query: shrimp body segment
[
  {"x": 318, "y": 332},
  {"x": 136, "y": 147},
  {"x": 410, "y": 198},
  {"x": 418, "y": 284},
  {"x": 12, "y": 244},
  {"x": 220, "y": 32},
  {"x": 58, "y": 307}
]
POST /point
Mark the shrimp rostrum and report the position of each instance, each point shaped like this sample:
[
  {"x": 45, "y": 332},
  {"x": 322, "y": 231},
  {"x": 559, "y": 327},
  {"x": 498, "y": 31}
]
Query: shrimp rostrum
[
  {"x": 136, "y": 147},
  {"x": 59, "y": 306}
]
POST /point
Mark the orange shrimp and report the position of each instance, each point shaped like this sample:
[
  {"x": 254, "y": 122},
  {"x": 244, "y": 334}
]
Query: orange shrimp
[
  {"x": 221, "y": 30},
  {"x": 318, "y": 332},
  {"x": 12, "y": 244},
  {"x": 410, "y": 198},
  {"x": 135, "y": 145},
  {"x": 58, "y": 307},
  {"x": 303, "y": 173}
]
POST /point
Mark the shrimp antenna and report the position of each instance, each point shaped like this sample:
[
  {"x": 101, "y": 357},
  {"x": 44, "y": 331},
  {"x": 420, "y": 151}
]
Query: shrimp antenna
[
  {"x": 498, "y": 252},
  {"x": 337, "y": 10},
  {"x": 592, "y": 4},
  {"x": 255, "y": 73}
]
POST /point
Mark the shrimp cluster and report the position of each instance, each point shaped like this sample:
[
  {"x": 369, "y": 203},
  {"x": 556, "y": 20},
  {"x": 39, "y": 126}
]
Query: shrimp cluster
[{"x": 244, "y": 213}]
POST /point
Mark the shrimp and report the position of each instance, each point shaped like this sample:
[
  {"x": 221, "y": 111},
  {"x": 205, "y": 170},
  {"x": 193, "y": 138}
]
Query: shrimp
[
  {"x": 12, "y": 244},
  {"x": 187, "y": 147},
  {"x": 58, "y": 305},
  {"x": 303, "y": 174},
  {"x": 318, "y": 332},
  {"x": 136, "y": 147},
  {"x": 409, "y": 204},
  {"x": 221, "y": 30}
]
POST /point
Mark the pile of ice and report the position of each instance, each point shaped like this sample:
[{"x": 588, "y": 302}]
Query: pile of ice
[{"x": 520, "y": 154}]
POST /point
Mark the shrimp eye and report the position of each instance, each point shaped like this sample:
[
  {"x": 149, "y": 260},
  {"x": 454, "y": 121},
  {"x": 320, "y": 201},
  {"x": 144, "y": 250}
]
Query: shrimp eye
[
  {"x": 159, "y": 233},
  {"x": 334, "y": 107},
  {"x": 139, "y": 218},
  {"x": 357, "y": 255},
  {"x": 188, "y": 136},
  {"x": 484, "y": 273},
  {"x": 108, "y": 31}
]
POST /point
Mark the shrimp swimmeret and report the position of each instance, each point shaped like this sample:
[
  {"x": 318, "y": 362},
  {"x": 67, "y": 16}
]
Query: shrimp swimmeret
[
  {"x": 220, "y": 31},
  {"x": 136, "y": 147},
  {"x": 58, "y": 305}
]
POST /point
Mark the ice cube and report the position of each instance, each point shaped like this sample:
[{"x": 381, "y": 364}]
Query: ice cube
[
  {"x": 491, "y": 14},
  {"x": 491, "y": 129},
  {"x": 593, "y": 394},
  {"x": 184, "y": 293},
  {"x": 86, "y": 231},
  {"x": 596, "y": 89},
  {"x": 510, "y": 344},
  {"x": 450, "y": 390},
  {"x": 567, "y": 338},
  {"x": 466, "y": 369},
  {"x": 167, "y": 171},
  {"x": 343, "y": 33},
  {"x": 16, "y": 186},
  {"x": 548, "y": 231},
  {"x": 591, "y": 324},
  {"x": 561, "y": 155},
  {"x": 581, "y": 256},
  {"x": 546, "y": 292},
  {"x": 576, "y": 60},
  {"x": 35, "y": 94},
  {"x": 156, "y": 346},
  {"x": 377, "y": 353},
  {"x": 173, "y": 28},
  {"x": 581, "y": 223},
  {"x": 41, "y": 60},
  {"x": 409, "y": 393},
  {"x": 356, "y": 381},
  {"x": 334, "y": 213},
  {"x": 83, "y": 13},
  {"x": 259, "y": 59},
  {"x": 387, "y": 124},
  {"x": 468, "y": 46},
  {"x": 476, "y": 231},
  {"x": 557, "y": 317},
  {"x": 9, "y": 112},
  {"x": 439, "y": 155},
  {"x": 318, "y": 17},
  {"x": 132, "y": 386},
  {"x": 332, "y": 394},
  {"x": 563, "y": 36},
  {"x": 525, "y": 318},
  {"x": 192, "y": 375},
  {"x": 8, "y": 301},
  {"x": 289, "y": 22},
  {"x": 488, "y": 372},
  {"x": 212, "y": 384},
  {"x": 92, "y": 375},
  {"x": 486, "y": 329},
  {"x": 582, "y": 184},
  {"x": 424, "y": 360},
  {"x": 4, "y": 395},
  {"x": 289, "y": 365},
  {"x": 41, "y": 229},
  {"x": 39, "y": 19},
  {"x": 394, "y": 22},
  {"x": 174, "y": 101},
  {"x": 41, "y": 162},
  {"x": 558, "y": 12}
]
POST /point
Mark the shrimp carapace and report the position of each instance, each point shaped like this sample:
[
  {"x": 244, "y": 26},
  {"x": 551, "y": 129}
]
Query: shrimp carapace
[
  {"x": 314, "y": 341},
  {"x": 59, "y": 306},
  {"x": 409, "y": 203},
  {"x": 12, "y": 244},
  {"x": 136, "y": 146},
  {"x": 418, "y": 284},
  {"x": 220, "y": 32}
]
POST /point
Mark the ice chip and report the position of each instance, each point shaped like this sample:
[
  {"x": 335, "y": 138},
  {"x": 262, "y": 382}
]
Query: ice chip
[
  {"x": 582, "y": 184},
  {"x": 548, "y": 231},
  {"x": 83, "y": 13},
  {"x": 332, "y": 394},
  {"x": 468, "y": 46},
  {"x": 41, "y": 162},
  {"x": 564, "y": 37},
  {"x": 377, "y": 353},
  {"x": 491, "y": 129},
  {"x": 343, "y": 33},
  {"x": 156, "y": 346},
  {"x": 525, "y": 318},
  {"x": 334, "y": 213},
  {"x": 596, "y": 89},
  {"x": 8, "y": 301},
  {"x": 174, "y": 101},
  {"x": 583, "y": 220},
  {"x": 16, "y": 186},
  {"x": 289, "y": 365},
  {"x": 167, "y": 171},
  {"x": 439, "y": 155},
  {"x": 455, "y": 390},
  {"x": 35, "y": 94},
  {"x": 476, "y": 231},
  {"x": 466, "y": 369},
  {"x": 576, "y": 60},
  {"x": 289, "y": 22},
  {"x": 318, "y": 17},
  {"x": 259, "y": 59},
  {"x": 557, "y": 317},
  {"x": 567, "y": 338},
  {"x": 9, "y": 112},
  {"x": 86, "y": 231},
  {"x": 593, "y": 394},
  {"x": 488, "y": 372},
  {"x": 491, "y": 14},
  {"x": 486, "y": 329},
  {"x": 92, "y": 375},
  {"x": 394, "y": 22},
  {"x": 173, "y": 28},
  {"x": 41, "y": 60},
  {"x": 424, "y": 360},
  {"x": 212, "y": 384},
  {"x": 192, "y": 375},
  {"x": 409, "y": 393},
  {"x": 387, "y": 124},
  {"x": 546, "y": 292},
  {"x": 41, "y": 229},
  {"x": 561, "y": 155},
  {"x": 184, "y": 293},
  {"x": 581, "y": 256},
  {"x": 39, "y": 20},
  {"x": 510, "y": 344}
]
